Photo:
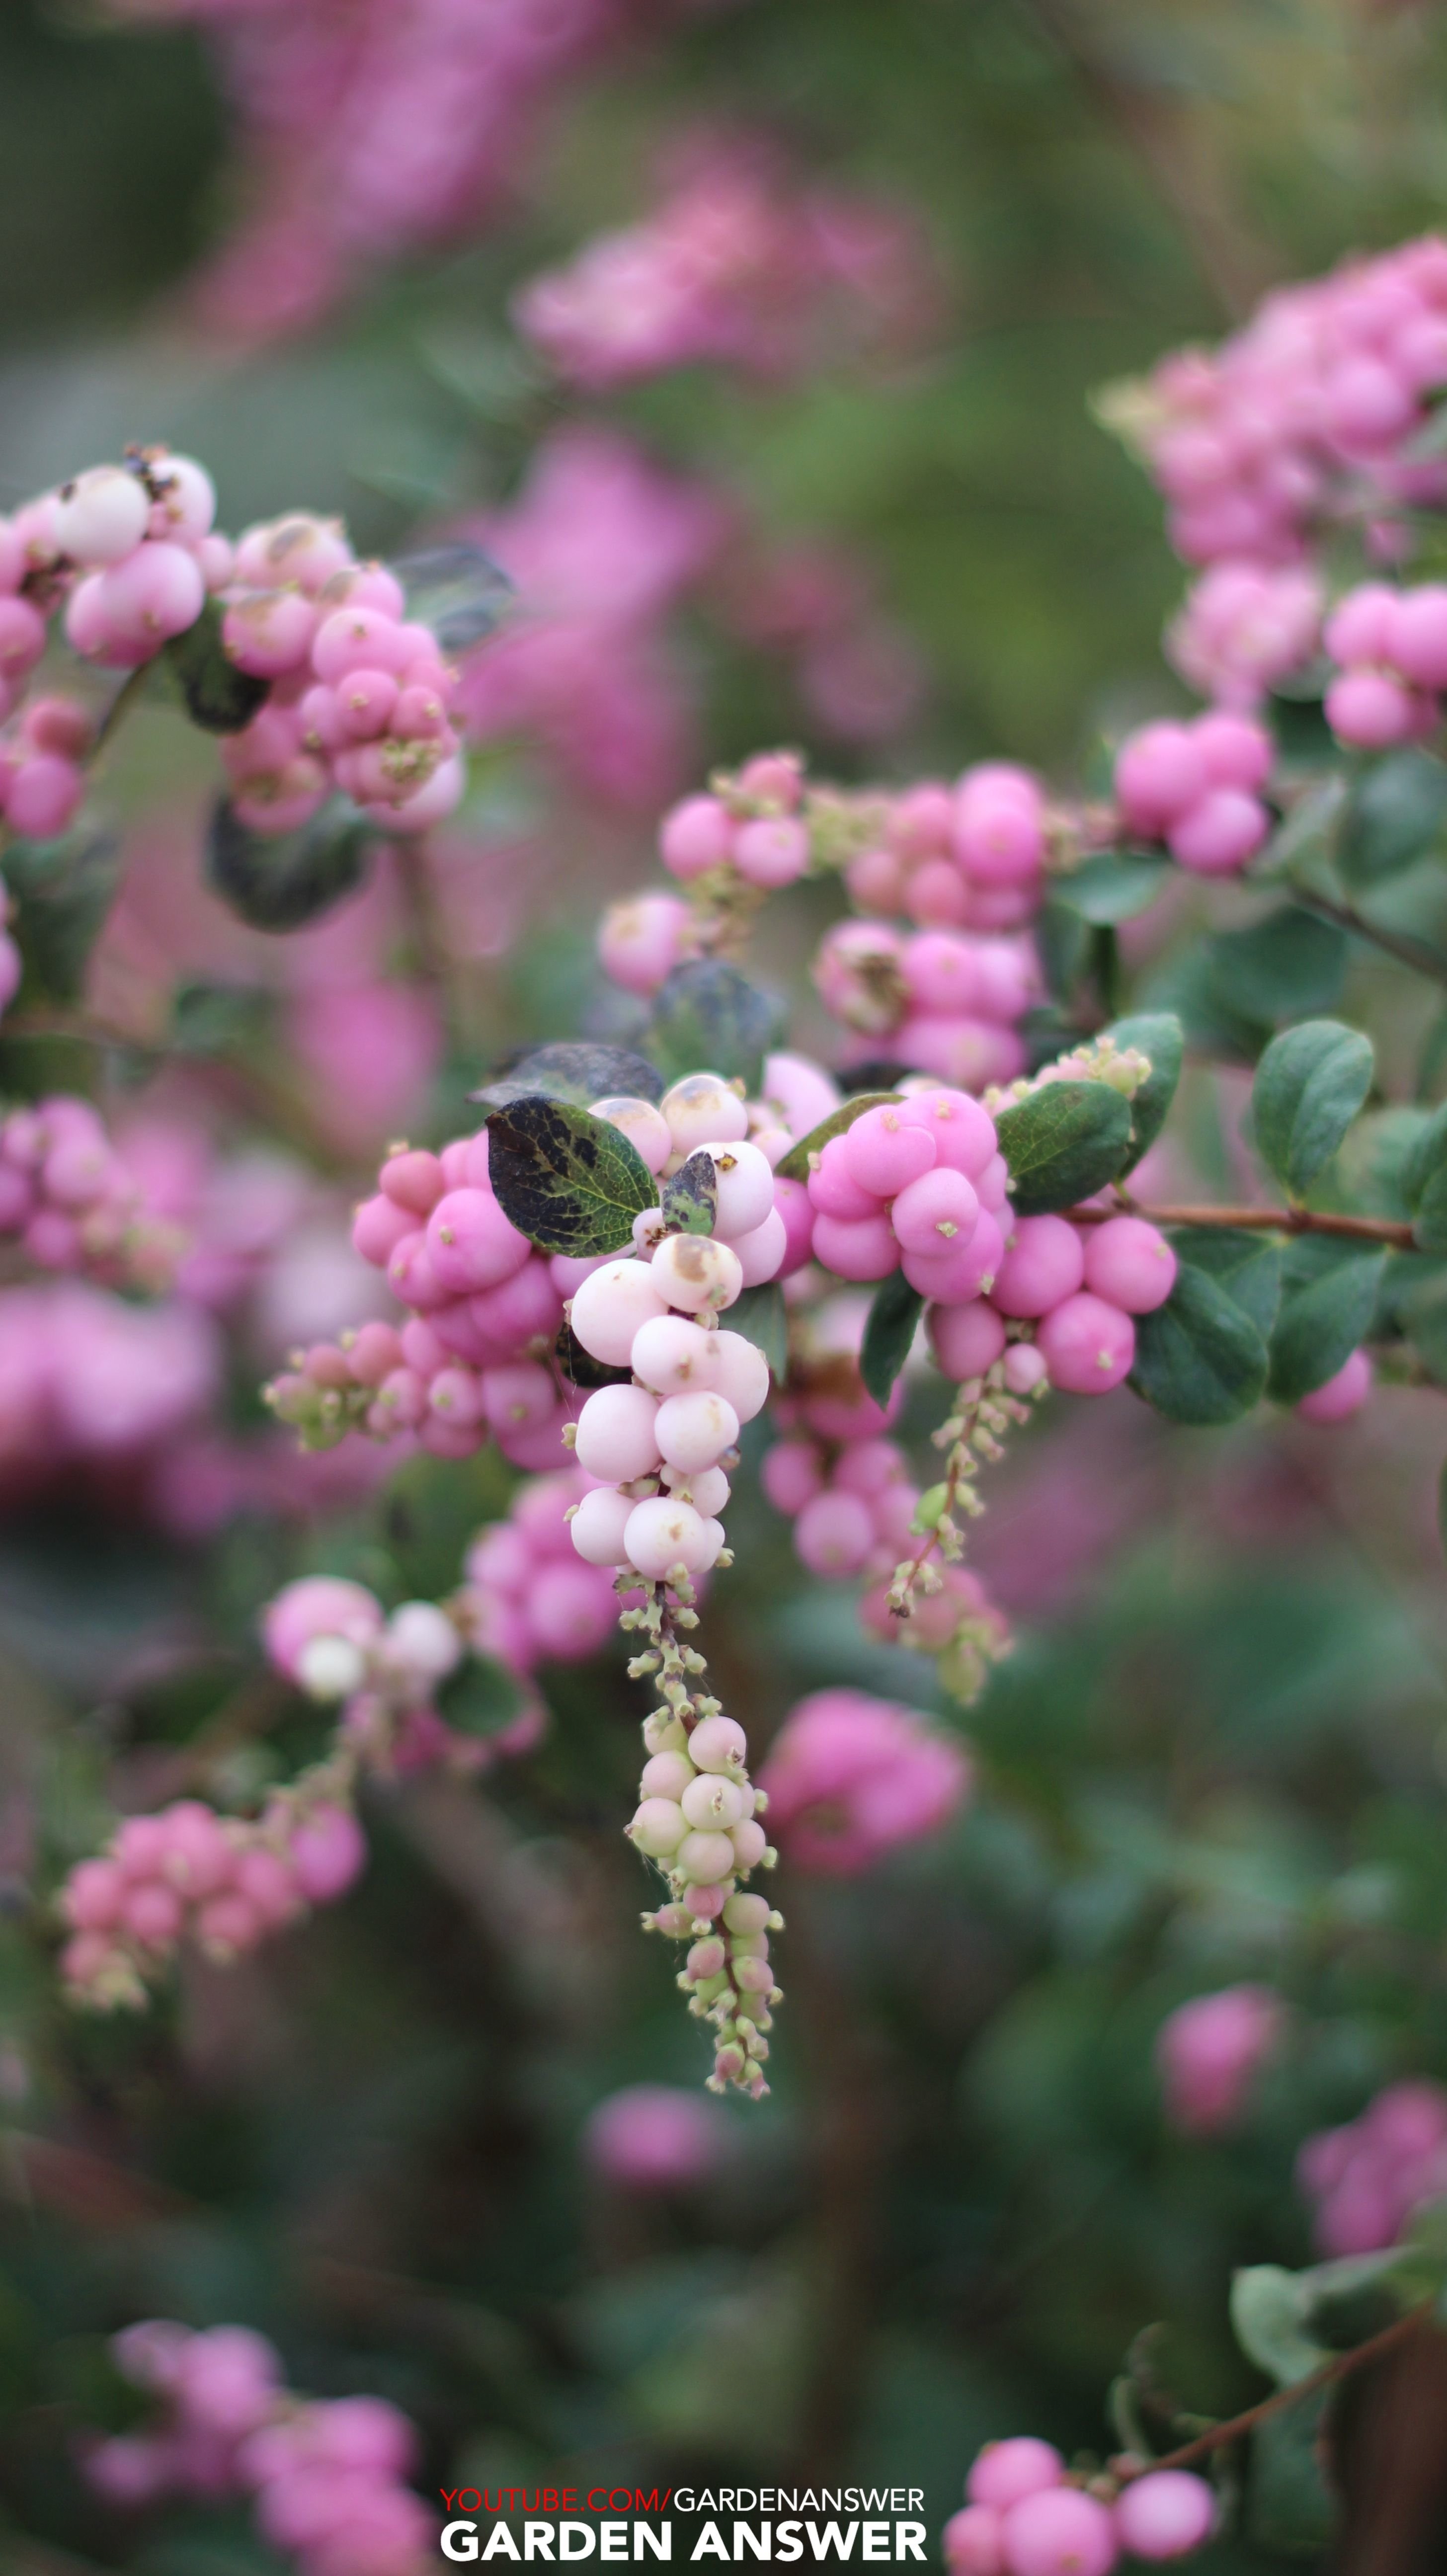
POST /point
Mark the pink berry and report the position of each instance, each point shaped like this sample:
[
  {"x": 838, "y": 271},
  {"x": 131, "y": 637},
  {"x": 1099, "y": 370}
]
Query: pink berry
[
  {"x": 936, "y": 1212},
  {"x": 1130, "y": 1264},
  {"x": 967, "y": 1340},
  {"x": 973, "y": 2542},
  {"x": 1088, "y": 1346},
  {"x": 1341, "y": 1395},
  {"x": 772, "y": 851},
  {"x": 22, "y": 637},
  {"x": 884, "y": 1154},
  {"x": 1164, "y": 2514},
  {"x": 617, "y": 1440},
  {"x": 1237, "y": 751},
  {"x": 661, "y": 1534},
  {"x": 1159, "y": 774},
  {"x": 1059, "y": 2533},
  {"x": 43, "y": 796},
  {"x": 640, "y": 941},
  {"x": 269, "y": 632},
  {"x": 963, "y": 1132},
  {"x": 791, "y": 1475},
  {"x": 834, "y": 1534},
  {"x": 834, "y": 1188},
  {"x": 1044, "y": 1263},
  {"x": 357, "y": 639},
  {"x": 695, "y": 836},
  {"x": 1006, "y": 2471},
  {"x": 613, "y": 1307},
  {"x": 1359, "y": 628},
  {"x": 856, "y": 1248},
  {"x": 1220, "y": 833},
  {"x": 471, "y": 1244},
  {"x": 1370, "y": 710}
]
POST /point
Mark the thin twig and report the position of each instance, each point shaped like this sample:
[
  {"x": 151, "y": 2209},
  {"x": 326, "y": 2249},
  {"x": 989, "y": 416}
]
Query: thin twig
[
  {"x": 1340, "y": 2366},
  {"x": 1255, "y": 1220},
  {"x": 1419, "y": 954}
]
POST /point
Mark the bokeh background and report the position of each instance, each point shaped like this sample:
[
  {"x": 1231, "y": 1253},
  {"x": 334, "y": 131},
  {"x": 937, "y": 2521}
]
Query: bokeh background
[{"x": 1217, "y": 1750}]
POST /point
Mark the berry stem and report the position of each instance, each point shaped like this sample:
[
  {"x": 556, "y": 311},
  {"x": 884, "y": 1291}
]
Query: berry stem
[
  {"x": 1419, "y": 954},
  {"x": 1256, "y": 1220},
  {"x": 1340, "y": 2366}
]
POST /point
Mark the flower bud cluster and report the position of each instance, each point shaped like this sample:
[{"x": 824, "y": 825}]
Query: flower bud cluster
[
  {"x": 850, "y": 1778},
  {"x": 188, "y": 1874},
  {"x": 360, "y": 697},
  {"x": 327, "y": 2477},
  {"x": 1196, "y": 788},
  {"x": 1027, "y": 2515},
  {"x": 1307, "y": 414},
  {"x": 1368, "y": 2179},
  {"x": 1209, "y": 2052},
  {"x": 698, "y": 1818},
  {"x": 528, "y": 1599},
  {"x": 473, "y": 1355},
  {"x": 66, "y": 1192},
  {"x": 1390, "y": 648}
]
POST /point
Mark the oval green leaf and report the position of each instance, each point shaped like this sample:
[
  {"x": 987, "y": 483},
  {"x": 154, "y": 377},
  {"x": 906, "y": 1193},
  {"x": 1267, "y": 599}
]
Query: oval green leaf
[
  {"x": 1328, "y": 1299},
  {"x": 1309, "y": 1086},
  {"x": 1199, "y": 1358},
  {"x": 280, "y": 883},
  {"x": 1159, "y": 1036},
  {"x": 1063, "y": 1143},
  {"x": 218, "y": 697},
  {"x": 894, "y": 1315}
]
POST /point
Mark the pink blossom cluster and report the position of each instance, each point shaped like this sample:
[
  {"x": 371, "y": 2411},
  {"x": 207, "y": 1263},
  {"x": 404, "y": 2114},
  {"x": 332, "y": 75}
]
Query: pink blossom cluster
[
  {"x": 86, "y": 1376},
  {"x": 1209, "y": 2052},
  {"x": 698, "y": 1818},
  {"x": 370, "y": 132},
  {"x": 73, "y": 1201},
  {"x": 1306, "y": 416},
  {"x": 1027, "y": 2516},
  {"x": 1196, "y": 787},
  {"x": 1390, "y": 648},
  {"x": 189, "y": 1875},
  {"x": 359, "y": 696},
  {"x": 327, "y": 2477},
  {"x": 1366, "y": 2180},
  {"x": 600, "y": 544},
  {"x": 1243, "y": 627},
  {"x": 734, "y": 266},
  {"x": 850, "y": 1779},
  {"x": 528, "y": 1598},
  {"x": 654, "y": 2137}
]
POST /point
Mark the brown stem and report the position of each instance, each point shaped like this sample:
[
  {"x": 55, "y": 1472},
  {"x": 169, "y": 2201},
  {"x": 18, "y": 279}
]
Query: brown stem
[
  {"x": 1419, "y": 954},
  {"x": 1340, "y": 2366},
  {"x": 1255, "y": 1220}
]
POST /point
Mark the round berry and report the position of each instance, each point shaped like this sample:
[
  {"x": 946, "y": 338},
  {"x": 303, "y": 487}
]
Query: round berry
[
  {"x": 665, "y": 1533},
  {"x": 1087, "y": 1345},
  {"x": 1130, "y": 1264},
  {"x": 1164, "y": 2514},
  {"x": 1006, "y": 2471},
  {"x": 1059, "y": 2532},
  {"x": 884, "y": 1153},
  {"x": 1044, "y": 1263},
  {"x": 692, "y": 1271},
  {"x": 701, "y": 1109},
  {"x": 693, "y": 1431},
  {"x": 612, "y": 1307},
  {"x": 617, "y": 1440}
]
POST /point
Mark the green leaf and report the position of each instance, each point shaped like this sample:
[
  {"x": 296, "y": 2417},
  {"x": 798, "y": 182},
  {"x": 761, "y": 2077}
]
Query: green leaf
[
  {"x": 1329, "y": 1295},
  {"x": 458, "y": 591},
  {"x": 580, "y": 1367},
  {"x": 1283, "y": 967},
  {"x": 572, "y": 1071},
  {"x": 690, "y": 1199},
  {"x": 1289, "y": 2506},
  {"x": 1063, "y": 1143},
  {"x": 1113, "y": 885},
  {"x": 1309, "y": 1085},
  {"x": 219, "y": 1019},
  {"x": 894, "y": 1313},
  {"x": 761, "y": 1315},
  {"x": 708, "y": 1018},
  {"x": 1062, "y": 937},
  {"x": 61, "y": 892},
  {"x": 1247, "y": 1266},
  {"x": 1442, "y": 1509},
  {"x": 1160, "y": 1036},
  {"x": 283, "y": 881},
  {"x": 219, "y": 698},
  {"x": 1199, "y": 1358},
  {"x": 568, "y": 1181},
  {"x": 1424, "y": 1183},
  {"x": 797, "y": 1163},
  {"x": 1270, "y": 2309},
  {"x": 1395, "y": 814},
  {"x": 481, "y": 1697}
]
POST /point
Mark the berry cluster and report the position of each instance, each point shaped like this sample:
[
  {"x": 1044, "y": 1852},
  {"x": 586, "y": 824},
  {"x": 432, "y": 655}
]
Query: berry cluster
[
  {"x": 1209, "y": 2052},
  {"x": 188, "y": 1874},
  {"x": 1076, "y": 1289},
  {"x": 93, "y": 1378},
  {"x": 359, "y": 697},
  {"x": 68, "y": 1195},
  {"x": 697, "y": 1817},
  {"x": 913, "y": 1185},
  {"x": 527, "y": 1599},
  {"x": 732, "y": 267},
  {"x": 1307, "y": 415},
  {"x": 1243, "y": 627},
  {"x": 1026, "y": 2516},
  {"x": 852, "y": 1509},
  {"x": 1196, "y": 787},
  {"x": 947, "y": 1002},
  {"x": 850, "y": 1778},
  {"x": 327, "y": 2477},
  {"x": 1367, "y": 2179},
  {"x": 41, "y": 774},
  {"x": 1390, "y": 647}
]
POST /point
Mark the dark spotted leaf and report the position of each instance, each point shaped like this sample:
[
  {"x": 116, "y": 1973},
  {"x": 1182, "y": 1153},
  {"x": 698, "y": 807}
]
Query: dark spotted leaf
[
  {"x": 219, "y": 698},
  {"x": 61, "y": 892},
  {"x": 1063, "y": 1143},
  {"x": 580, "y": 1367},
  {"x": 572, "y": 1070},
  {"x": 894, "y": 1313},
  {"x": 283, "y": 881},
  {"x": 708, "y": 1018},
  {"x": 568, "y": 1181},
  {"x": 690, "y": 1199},
  {"x": 797, "y": 1163}
]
